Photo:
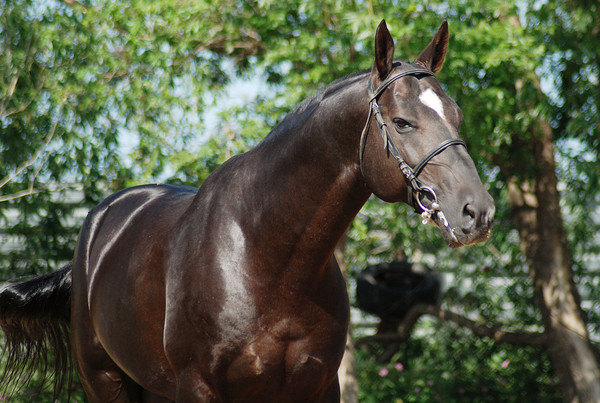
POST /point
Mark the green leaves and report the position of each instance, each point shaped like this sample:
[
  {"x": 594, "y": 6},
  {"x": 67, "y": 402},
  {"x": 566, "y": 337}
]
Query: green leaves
[{"x": 79, "y": 82}]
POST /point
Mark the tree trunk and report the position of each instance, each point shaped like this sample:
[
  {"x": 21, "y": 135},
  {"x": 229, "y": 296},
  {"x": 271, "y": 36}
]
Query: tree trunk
[
  {"x": 536, "y": 212},
  {"x": 347, "y": 374},
  {"x": 347, "y": 370}
]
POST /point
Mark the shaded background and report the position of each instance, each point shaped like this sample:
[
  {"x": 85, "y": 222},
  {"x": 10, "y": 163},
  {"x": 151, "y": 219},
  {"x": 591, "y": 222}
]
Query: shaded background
[{"x": 99, "y": 95}]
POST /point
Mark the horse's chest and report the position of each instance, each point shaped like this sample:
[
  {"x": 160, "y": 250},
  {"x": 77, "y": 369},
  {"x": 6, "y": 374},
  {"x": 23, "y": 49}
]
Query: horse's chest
[{"x": 276, "y": 365}]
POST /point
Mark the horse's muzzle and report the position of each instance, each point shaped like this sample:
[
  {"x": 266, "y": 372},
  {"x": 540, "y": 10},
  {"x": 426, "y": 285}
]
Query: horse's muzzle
[{"x": 473, "y": 225}]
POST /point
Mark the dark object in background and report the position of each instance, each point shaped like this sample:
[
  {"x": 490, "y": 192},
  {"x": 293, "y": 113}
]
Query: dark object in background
[{"x": 389, "y": 290}]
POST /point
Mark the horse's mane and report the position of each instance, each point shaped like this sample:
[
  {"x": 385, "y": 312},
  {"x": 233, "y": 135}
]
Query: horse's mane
[
  {"x": 335, "y": 86},
  {"x": 330, "y": 89},
  {"x": 305, "y": 108}
]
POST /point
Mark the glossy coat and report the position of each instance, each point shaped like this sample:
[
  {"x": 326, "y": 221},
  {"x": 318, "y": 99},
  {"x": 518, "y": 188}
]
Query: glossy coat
[{"x": 229, "y": 292}]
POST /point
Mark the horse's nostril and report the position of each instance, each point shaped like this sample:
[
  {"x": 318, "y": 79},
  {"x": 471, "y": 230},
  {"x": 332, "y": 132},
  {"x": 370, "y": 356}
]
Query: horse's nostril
[{"x": 469, "y": 211}]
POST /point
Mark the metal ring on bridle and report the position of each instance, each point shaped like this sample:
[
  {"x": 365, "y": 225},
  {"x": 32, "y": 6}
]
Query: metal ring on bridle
[
  {"x": 416, "y": 189},
  {"x": 427, "y": 189}
]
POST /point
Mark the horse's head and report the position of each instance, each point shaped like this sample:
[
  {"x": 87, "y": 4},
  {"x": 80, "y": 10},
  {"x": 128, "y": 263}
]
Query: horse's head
[{"x": 410, "y": 149}]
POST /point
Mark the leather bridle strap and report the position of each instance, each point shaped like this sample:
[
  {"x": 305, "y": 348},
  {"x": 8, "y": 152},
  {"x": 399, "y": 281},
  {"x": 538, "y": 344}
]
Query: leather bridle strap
[
  {"x": 445, "y": 144},
  {"x": 417, "y": 191}
]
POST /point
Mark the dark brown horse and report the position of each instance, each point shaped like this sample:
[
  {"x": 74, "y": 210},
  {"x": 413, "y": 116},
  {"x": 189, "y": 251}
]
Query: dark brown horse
[{"x": 228, "y": 292}]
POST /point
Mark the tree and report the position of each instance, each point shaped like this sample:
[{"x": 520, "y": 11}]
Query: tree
[
  {"x": 534, "y": 203},
  {"x": 524, "y": 125},
  {"x": 76, "y": 76}
]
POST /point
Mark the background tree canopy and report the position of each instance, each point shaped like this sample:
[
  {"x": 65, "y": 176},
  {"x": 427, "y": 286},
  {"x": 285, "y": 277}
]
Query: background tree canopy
[{"x": 96, "y": 96}]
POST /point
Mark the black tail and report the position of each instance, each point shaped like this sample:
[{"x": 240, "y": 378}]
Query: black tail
[{"x": 34, "y": 316}]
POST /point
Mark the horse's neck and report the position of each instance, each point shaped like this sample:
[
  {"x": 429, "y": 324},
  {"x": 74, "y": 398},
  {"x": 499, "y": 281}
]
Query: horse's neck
[
  {"x": 309, "y": 187},
  {"x": 287, "y": 203}
]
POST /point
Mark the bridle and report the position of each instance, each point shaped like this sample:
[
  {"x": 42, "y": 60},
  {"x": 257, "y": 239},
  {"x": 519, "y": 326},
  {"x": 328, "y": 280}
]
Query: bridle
[{"x": 417, "y": 191}]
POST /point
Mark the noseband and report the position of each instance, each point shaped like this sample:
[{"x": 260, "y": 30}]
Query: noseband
[{"x": 417, "y": 191}]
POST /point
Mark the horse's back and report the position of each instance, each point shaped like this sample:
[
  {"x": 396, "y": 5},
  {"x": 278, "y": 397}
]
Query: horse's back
[{"x": 119, "y": 278}]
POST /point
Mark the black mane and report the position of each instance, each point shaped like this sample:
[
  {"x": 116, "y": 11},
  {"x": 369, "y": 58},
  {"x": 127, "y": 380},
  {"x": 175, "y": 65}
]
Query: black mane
[{"x": 305, "y": 108}]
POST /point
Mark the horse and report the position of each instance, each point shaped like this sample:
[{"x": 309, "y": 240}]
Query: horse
[{"x": 230, "y": 292}]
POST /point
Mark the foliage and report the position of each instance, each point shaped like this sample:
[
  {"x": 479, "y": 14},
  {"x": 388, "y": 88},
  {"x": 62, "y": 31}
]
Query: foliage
[
  {"x": 78, "y": 80},
  {"x": 439, "y": 365},
  {"x": 74, "y": 79}
]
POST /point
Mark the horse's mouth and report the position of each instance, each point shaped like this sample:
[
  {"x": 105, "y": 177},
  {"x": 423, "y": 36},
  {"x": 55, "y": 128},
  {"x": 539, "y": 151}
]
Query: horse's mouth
[{"x": 456, "y": 238}]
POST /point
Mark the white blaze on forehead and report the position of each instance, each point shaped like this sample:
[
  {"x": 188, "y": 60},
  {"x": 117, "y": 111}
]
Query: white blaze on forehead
[{"x": 430, "y": 99}]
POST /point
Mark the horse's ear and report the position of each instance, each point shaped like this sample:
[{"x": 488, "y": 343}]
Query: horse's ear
[
  {"x": 432, "y": 57},
  {"x": 384, "y": 51}
]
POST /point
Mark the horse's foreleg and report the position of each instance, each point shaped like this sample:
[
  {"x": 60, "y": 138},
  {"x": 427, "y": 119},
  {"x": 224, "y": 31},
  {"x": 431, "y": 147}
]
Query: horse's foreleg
[{"x": 190, "y": 382}]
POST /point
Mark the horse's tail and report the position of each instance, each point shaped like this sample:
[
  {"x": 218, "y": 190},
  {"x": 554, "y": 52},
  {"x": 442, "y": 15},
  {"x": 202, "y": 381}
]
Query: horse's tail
[{"x": 34, "y": 316}]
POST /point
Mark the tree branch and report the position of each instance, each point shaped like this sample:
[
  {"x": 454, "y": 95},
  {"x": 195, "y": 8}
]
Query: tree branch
[
  {"x": 14, "y": 110},
  {"x": 30, "y": 189},
  {"x": 495, "y": 332},
  {"x": 17, "y": 195},
  {"x": 25, "y": 65},
  {"x": 75, "y": 3}
]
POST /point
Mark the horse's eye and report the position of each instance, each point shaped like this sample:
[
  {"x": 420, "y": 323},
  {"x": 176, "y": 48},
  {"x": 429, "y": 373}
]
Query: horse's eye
[{"x": 401, "y": 124}]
